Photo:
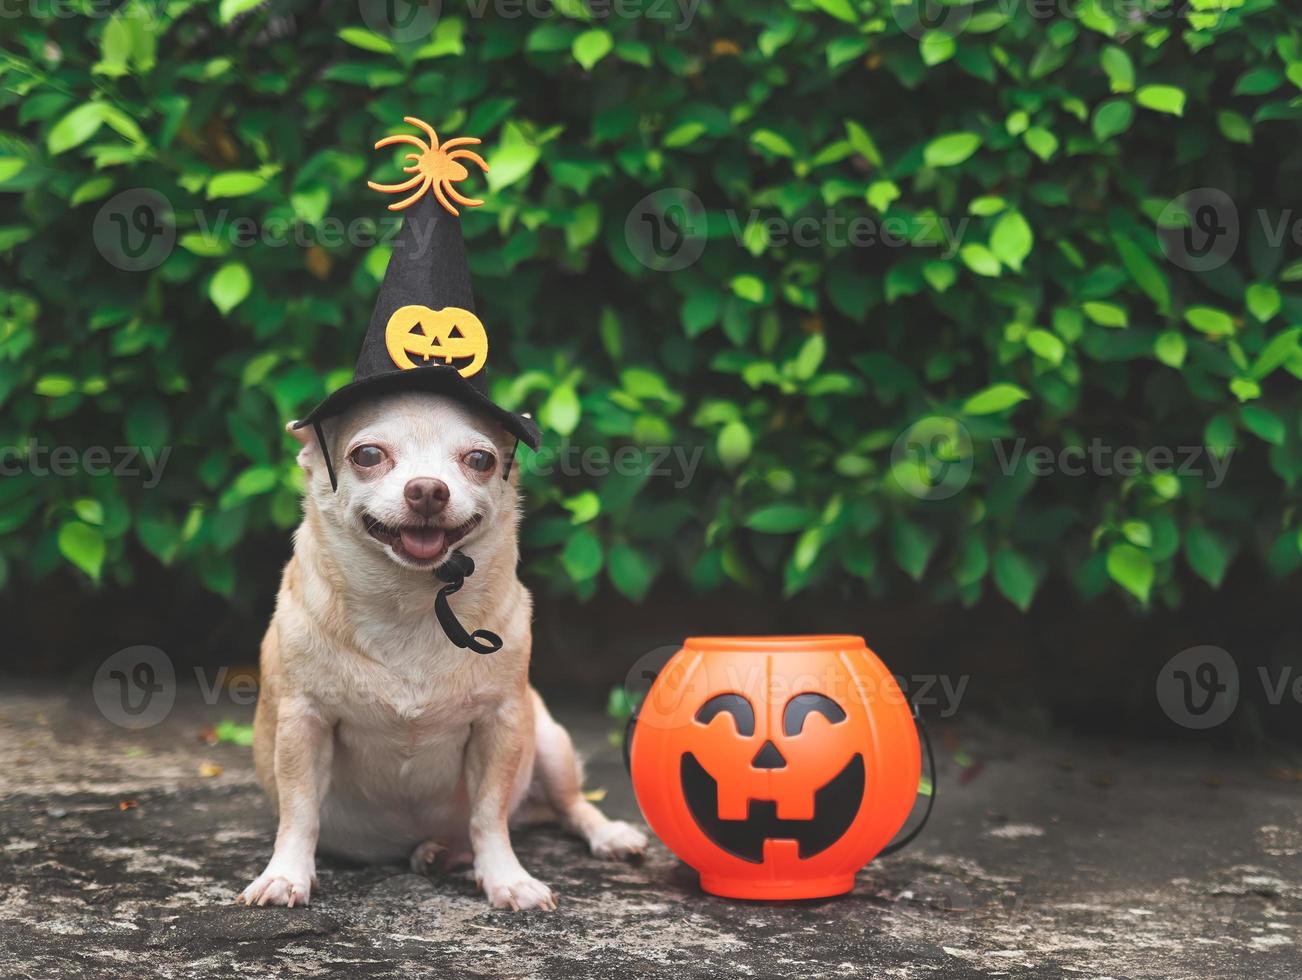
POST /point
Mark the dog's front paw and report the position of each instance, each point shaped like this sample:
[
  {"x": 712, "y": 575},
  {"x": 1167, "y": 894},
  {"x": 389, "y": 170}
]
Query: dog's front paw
[
  {"x": 618, "y": 841},
  {"x": 519, "y": 894},
  {"x": 278, "y": 887}
]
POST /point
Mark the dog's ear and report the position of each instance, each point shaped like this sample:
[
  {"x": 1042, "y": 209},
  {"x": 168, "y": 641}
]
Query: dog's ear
[{"x": 307, "y": 439}]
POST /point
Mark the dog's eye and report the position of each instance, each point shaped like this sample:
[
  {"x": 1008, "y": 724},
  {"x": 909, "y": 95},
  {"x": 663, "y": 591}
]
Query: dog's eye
[
  {"x": 480, "y": 460},
  {"x": 367, "y": 456}
]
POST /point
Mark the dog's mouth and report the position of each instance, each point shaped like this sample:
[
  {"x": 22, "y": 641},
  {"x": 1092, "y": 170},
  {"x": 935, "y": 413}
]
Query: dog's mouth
[{"x": 423, "y": 544}]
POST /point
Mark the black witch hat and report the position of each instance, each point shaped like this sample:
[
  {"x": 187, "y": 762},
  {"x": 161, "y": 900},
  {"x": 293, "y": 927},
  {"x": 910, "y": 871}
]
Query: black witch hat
[{"x": 424, "y": 334}]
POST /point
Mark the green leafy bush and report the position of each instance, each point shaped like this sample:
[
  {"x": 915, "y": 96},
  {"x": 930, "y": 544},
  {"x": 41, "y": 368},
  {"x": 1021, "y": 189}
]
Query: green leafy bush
[{"x": 1019, "y": 169}]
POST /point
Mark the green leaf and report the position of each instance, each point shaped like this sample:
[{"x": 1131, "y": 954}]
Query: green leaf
[
  {"x": 861, "y": 142},
  {"x": 583, "y": 506},
  {"x": 1264, "y": 424},
  {"x": 1144, "y": 271},
  {"x": 1118, "y": 67},
  {"x": 1112, "y": 118},
  {"x": 980, "y": 260},
  {"x": 1258, "y": 81},
  {"x": 1279, "y": 350},
  {"x": 230, "y": 9},
  {"x": 582, "y": 557},
  {"x": 91, "y": 190},
  {"x": 1011, "y": 240},
  {"x": 83, "y": 546},
  {"x": 629, "y": 571},
  {"x": 55, "y": 385},
  {"x": 1138, "y": 533},
  {"x": 360, "y": 37},
  {"x": 1234, "y": 127},
  {"x": 1263, "y": 301},
  {"x": 734, "y": 444},
  {"x": 75, "y": 128},
  {"x": 230, "y": 286},
  {"x": 936, "y": 47},
  {"x": 912, "y": 546},
  {"x": 840, "y": 9},
  {"x": 591, "y": 46},
  {"x": 1170, "y": 348},
  {"x": 775, "y": 143},
  {"x": 561, "y": 412},
  {"x": 1106, "y": 314},
  {"x": 1209, "y": 320},
  {"x": 881, "y": 194},
  {"x": 1161, "y": 98},
  {"x": 512, "y": 160},
  {"x": 781, "y": 518},
  {"x": 1016, "y": 578},
  {"x": 235, "y": 183},
  {"x": 1046, "y": 345},
  {"x": 1041, "y": 142},
  {"x": 1207, "y": 554},
  {"x": 996, "y": 398},
  {"x": 749, "y": 288},
  {"x": 951, "y": 149},
  {"x": 1219, "y": 434},
  {"x": 811, "y": 355},
  {"x": 1132, "y": 569},
  {"x": 684, "y": 134},
  {"x": 89, "y": 510}
]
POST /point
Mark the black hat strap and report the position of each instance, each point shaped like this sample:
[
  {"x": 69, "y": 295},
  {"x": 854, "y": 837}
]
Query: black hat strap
[
  {"x": 510, "y": 461},
  {"x": 325, "y": 454},
  {"x": 455, "y": 571}
]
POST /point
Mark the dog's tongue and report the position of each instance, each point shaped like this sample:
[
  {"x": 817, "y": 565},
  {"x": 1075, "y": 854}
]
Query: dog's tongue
[{"x": 423, "y": 542}]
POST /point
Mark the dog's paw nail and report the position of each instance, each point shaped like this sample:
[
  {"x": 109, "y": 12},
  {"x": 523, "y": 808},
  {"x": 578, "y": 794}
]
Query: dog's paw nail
[
  {"x": 618, "y": 841},
  {"x": 526, "y": 893},
  {"x": 277, "y": 889}
]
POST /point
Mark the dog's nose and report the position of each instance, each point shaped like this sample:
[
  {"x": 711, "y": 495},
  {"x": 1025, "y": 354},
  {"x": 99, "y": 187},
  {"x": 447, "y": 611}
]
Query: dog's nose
[{"x": 426, "y": 495}]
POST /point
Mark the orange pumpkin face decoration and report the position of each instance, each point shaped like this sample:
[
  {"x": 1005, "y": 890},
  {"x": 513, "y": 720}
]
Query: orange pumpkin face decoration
[
  {"x": 417, "y": 336},
  {"x": 776, "y": 766}
]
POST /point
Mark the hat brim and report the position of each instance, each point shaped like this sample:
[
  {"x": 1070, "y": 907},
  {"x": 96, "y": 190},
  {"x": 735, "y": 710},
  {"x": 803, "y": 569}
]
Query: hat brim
[{"x": 439, "y": 380}]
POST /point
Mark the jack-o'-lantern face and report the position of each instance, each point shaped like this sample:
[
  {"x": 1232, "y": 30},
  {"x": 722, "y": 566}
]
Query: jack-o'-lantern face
[
  {"x": 803, "y": 782},
  {"x": 776, "y": 766},
  {"x": 418, "y": 336}
]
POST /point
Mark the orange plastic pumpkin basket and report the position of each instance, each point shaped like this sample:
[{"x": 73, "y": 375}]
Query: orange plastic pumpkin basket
[{"x": 775, "y": 766}]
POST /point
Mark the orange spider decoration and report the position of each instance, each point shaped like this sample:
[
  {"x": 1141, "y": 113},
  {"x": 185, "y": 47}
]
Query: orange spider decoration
[{"x": 435, "y": 168}]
